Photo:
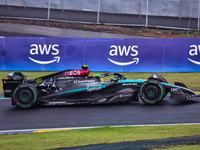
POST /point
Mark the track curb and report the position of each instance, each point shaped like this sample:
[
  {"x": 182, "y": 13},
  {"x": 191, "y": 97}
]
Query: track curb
[{"x": 77, "y": 128}]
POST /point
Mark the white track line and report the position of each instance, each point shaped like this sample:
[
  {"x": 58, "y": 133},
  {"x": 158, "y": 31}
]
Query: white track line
[{"x": 75, "y": 128}]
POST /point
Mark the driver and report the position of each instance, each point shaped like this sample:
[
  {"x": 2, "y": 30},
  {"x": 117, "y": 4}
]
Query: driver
[
  {"x": 99, "y": 76},
  {"x": 116, "y": 78}
]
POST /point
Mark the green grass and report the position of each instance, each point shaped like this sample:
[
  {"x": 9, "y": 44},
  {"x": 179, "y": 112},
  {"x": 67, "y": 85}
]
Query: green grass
[
  {"x": 39, "y": 141},
  {"x": 179, "y": 147},
  {"x": 190, "y": 79}
]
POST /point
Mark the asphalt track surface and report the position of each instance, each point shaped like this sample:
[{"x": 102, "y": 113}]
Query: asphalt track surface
[
  {"x": 21, "y": 30},
  {"x": 45, "y": 117}
]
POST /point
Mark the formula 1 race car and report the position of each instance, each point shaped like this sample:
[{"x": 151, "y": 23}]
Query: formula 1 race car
[{"x": 77, "y": 87}]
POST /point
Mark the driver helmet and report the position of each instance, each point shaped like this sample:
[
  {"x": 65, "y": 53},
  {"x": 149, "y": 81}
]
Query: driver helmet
[{"x": 98, "y": 75}]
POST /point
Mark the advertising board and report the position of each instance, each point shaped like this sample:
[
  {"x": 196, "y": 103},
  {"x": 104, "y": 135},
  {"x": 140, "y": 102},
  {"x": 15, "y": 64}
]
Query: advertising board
[{"x": 101, "y": 54}]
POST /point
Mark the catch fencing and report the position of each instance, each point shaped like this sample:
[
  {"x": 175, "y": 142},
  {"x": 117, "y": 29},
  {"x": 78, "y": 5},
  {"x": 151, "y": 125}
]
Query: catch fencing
[{"x": 175, "y": 14}]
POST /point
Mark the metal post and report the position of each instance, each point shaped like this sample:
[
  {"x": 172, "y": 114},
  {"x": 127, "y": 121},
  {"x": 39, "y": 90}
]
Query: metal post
[
  {"x": 190, "y": 15},
  {"x": 48, "y": 17},
  {"x": 180, "y": 9},
  {"x": 62, "y": 6},
  {"x": 24, "y": 4},
  {"x": 198, "y": 16},
  {"x": 140, "y": 5},
  {"x": 147, "y": 11},
  {"x": 98, "y": 11}
]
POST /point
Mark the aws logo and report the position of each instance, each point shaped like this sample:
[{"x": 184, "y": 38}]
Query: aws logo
[
  {"x": 38, "y": 49},
  {"x": 117, "y": 54},
  {"x": 194, "y": 51}
]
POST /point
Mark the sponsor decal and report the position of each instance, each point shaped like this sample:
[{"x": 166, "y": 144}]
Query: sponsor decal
[
  {"x": 10, "y": 82},
  {"x": 194, "y": 51},
  {"x": 117, "y": 51},
  {"x": 124, "y": 95},
  {"x": 83, "y": 81},
  {"x": 135, "y": 60},
  {"x": 72, "y": 73},
  {"x": 57, "y": 103},
  {"x": 63, "y": 78},
  {"x": 56, "y": 59},
  {"x": 40, "y": 50},
  {"x": 121, "y": 97},
  {"x": 94, "y": 87},
  {"x": 124, "y": 84}
]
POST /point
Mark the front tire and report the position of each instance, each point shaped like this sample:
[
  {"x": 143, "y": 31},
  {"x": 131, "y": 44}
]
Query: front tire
[
  {"x": 25, "y": 95},
  {"x": 152, "y": 92}
]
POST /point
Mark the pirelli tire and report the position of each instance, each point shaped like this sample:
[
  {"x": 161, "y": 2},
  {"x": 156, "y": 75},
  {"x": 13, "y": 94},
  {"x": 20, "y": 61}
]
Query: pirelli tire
[
  {"x": 25, "y": 95},
  {"x": 152, "y": 92}
]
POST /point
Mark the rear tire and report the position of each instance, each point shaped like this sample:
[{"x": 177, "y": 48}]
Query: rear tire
[
  {"x": 25, "y": 95},
  {"x": 152, "y": 92}
]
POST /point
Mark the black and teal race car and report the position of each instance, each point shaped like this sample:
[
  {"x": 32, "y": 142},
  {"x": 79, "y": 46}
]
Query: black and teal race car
[{"x": 77, "y": 87}]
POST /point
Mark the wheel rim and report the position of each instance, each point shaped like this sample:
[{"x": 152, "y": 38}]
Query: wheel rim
[
  {"x": 25, "y": 96},
  {"x": 151, "y": 92}
]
